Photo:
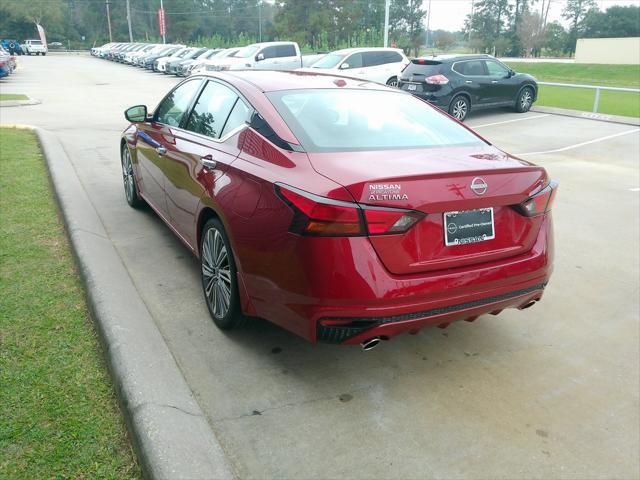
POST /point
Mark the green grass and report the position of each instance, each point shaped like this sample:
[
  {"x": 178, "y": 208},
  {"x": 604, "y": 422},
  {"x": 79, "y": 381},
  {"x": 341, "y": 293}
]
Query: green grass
[
  {"x": 612, "y": 103},
  {"x": 586, "y": 74},
  {"x": 58, "y": 412},
  {"x": 12, "y": 96}
]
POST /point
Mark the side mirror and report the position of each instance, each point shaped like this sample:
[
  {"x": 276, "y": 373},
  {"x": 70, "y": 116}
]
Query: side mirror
[
  {"x": 511, "y": 74},
  {"x": 136, "y": 114},
  {"x": 259, "y": 57},
  {"x": 344, "y": 66}
]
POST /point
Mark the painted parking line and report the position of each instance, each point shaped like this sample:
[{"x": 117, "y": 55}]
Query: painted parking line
[
  {"x": 634, "y": 189},
  {"x": 511, "y": 121},
  {"x": 578, "y": 145}
]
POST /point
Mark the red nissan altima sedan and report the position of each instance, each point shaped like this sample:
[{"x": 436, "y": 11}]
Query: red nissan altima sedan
[{"x": 342, "y": 210}]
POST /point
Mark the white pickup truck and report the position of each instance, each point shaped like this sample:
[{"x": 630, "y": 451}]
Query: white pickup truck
[
  {"x": 264, "y": 56},
  {"x": 34, "y": 47}
]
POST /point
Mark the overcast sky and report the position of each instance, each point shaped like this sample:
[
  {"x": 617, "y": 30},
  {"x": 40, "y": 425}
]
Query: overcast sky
[{"x": 450, "y": 14}]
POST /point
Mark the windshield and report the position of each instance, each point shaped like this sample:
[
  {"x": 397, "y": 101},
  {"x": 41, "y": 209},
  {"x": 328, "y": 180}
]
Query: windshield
[
  {"x": 328, "y": 61},
  {"x": 333, "y": 120},
  {"x": 247, "y": 51}
]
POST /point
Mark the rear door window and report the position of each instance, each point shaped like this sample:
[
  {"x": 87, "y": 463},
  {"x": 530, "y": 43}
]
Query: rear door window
[
  {"x": 239, "y": 116},
  {"x": 286, "y": 51},
  {"x": 470, "y": 68},
  {"x": 373, "y": 59},
  {"x": 212, "y": 109}
]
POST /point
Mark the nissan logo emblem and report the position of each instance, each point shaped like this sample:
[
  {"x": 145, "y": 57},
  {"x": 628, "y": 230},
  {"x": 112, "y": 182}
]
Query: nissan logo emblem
[{"x": 479, "y": 186}]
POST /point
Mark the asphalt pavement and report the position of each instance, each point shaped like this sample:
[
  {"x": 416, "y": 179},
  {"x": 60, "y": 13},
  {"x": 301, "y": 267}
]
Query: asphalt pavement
[{"x": 549, "y": 392}]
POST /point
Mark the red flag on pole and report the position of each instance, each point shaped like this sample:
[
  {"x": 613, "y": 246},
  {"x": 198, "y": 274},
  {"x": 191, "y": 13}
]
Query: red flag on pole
[
  {"x": 161, "y": 22},
  {"x": 43, "y": 37}
]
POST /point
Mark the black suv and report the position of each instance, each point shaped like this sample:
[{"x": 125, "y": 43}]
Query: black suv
[{"x": 460, "y": 83}]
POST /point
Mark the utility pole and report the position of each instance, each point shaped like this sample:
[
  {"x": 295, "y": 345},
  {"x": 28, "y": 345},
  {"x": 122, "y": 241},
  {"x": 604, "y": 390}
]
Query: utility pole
[
  {"x": 386, "y": 23},
  {"x": 109, "y": 21},
  {"x": 164, "y": 36},
  {"x": 260, "y": 21},
  {"x": 129, "y": 21}
]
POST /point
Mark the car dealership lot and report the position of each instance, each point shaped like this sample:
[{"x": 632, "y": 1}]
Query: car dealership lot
[{"x": 552, "y": 391}]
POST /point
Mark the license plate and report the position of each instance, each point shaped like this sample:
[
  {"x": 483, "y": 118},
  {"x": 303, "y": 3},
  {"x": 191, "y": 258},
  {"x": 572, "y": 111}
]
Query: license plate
[
  {"x": 469, "y": 226},
  {"x": 411, "y": 87}
]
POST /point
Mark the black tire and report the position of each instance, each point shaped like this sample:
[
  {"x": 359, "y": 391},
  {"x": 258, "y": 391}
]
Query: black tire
[
  {"x": 393, "y": 82},
  {"x": 524, "y": 100},
  {"x": 459, "y": 108},
  {"x": 128, "y": 179},
  {"x": 220, "y": 290}
]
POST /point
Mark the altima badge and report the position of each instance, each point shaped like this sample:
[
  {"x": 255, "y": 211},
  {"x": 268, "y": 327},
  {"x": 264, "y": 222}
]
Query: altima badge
[{"x": 479, "y": 186}]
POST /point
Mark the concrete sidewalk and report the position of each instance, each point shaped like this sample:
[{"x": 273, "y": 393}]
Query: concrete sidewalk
[{"x": 171, "y": 435}]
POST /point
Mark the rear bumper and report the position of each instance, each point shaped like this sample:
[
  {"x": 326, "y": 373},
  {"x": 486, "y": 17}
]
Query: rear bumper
[{"x": 337, "y": 290}]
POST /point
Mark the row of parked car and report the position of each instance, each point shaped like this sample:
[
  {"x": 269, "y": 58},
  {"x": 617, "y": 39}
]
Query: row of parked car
[
  {"x": 7, "y": 63},
  {"x": 454, "y": 83},
  {"x": 28, "y": 47}
]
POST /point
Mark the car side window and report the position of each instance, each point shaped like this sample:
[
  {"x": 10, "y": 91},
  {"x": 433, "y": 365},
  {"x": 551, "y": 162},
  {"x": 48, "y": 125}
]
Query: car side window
[
  {"x": 286, "y": 51},
  {"x": 471, "y": 68},
  {"x": 355, "y": 60},
  {"x": 270, "y": 52},
  {"x": 175, "y": 105},
  {"x": 392, "y": 57},
  {"x": 210, "y": 112},
  {"x": 372, "y": 59},
  {"x": 496, "y": 70},
  {"x": 239, "y": 115}
]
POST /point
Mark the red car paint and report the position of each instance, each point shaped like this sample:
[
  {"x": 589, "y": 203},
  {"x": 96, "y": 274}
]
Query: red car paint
[{"x": 348, "y": 289}]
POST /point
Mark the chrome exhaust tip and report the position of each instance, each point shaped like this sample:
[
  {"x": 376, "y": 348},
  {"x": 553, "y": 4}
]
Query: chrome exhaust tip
[{"x": 370, "y": 343}]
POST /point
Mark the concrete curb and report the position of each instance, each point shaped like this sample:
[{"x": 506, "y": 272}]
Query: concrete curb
[
  {"x": 19, "y": 103},
  {"x": 170, "y": 433},
  {"x": 587, "y": 115}
]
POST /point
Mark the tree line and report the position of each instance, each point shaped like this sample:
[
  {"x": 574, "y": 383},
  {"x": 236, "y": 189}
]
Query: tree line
[
  {"x": 503, "y": 27},
  {"x": 521, "y": 27}
]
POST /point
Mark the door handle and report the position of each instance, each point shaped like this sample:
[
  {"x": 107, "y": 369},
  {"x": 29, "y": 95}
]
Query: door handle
[
  {"x": 468, "y": 81},
  {"x": 208, "y": 162},
  {"x": 161, "y": 150},
  {"x": 494, "y": 81}
]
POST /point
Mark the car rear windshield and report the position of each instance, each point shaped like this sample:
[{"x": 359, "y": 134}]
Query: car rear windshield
[
  {"x": 35, "y": 42},
  {"x": 338, "y": 120},
  {"x": 421, "y": 67}
]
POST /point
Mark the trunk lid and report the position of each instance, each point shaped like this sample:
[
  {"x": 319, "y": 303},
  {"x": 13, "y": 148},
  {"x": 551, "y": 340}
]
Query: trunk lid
[{"x": 434, "y": 181}]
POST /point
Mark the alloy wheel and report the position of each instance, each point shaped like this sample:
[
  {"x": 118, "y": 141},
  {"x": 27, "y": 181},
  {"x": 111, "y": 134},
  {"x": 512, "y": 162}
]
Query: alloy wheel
[
  {"x": 127, "y": 176},
  {"x": 460, "y": 109},
  {"x": 525, "y": 100},
  {"x": 216, "y": 273}
]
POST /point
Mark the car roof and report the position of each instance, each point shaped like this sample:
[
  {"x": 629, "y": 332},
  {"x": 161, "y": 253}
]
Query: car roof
[
  {"x": 456, "y": 57},
  {"x": 274, "y": 80},
  {"x": 346, "y": 51}
]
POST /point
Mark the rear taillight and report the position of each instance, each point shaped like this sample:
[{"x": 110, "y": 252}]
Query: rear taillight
[
  {"x": 437, "y": 80},
  {"x": 320, "y": 216},
  {"x": 541, "y": 202}
]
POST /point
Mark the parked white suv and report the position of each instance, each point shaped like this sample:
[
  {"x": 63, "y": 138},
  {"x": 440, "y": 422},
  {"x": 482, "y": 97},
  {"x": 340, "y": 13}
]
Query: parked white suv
[
  {"x": 34, "y": 47},
  {"x": 265, "y": 56},
  {"x": 381, "y": 65}
]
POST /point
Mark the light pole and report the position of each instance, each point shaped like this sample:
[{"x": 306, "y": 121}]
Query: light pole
[
  {"x": 129, "y": 21},
  {"x": 386, "y": 23},
  {"x": 260, "y": 21},
  {"x": 164, "y": 24},
  {"x": 109, "y": 21}
]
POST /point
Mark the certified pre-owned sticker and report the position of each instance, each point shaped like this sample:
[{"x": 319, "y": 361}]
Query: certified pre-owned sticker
[{"x": 386, "y": 191}]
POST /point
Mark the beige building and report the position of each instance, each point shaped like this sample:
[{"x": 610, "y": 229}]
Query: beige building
[{"x": 620, "y": 51}]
